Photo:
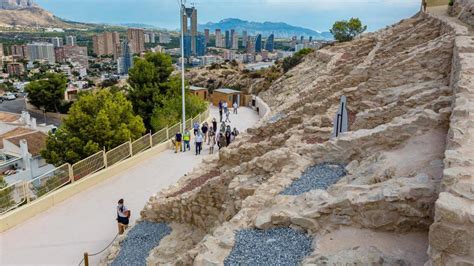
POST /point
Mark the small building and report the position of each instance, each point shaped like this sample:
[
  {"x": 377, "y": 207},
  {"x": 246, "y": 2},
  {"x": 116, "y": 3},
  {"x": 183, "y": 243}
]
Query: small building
[
  {"x": 226, "y": 95},
  {"x": 201, "y": 92}
]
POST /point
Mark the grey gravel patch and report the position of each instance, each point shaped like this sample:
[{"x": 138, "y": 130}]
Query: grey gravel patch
[
  {"x": 320, "y": 176},
  {"x": 277, "y": 117},
  {"x": 276, "y": 246},
  {"x": 141, "y": 239}
]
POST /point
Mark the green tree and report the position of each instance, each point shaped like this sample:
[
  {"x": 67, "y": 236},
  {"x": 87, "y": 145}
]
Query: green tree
[
  {"x": 6, "y": 200},
  {"x": 292, "y": 61},
  {"x": 344, "y": 30},
  {"x": 168, "y": 109},
  {"x": 48, "y": 93},
  {"x": 96, "y": 120}
]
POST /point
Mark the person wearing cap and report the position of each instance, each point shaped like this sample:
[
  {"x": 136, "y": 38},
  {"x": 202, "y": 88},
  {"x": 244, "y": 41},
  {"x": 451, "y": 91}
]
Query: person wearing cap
[{"x": 123, "y": 217}]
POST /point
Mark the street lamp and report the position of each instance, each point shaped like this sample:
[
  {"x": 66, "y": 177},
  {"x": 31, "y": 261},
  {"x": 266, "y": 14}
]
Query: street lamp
[{"x": 182, "y": 3}]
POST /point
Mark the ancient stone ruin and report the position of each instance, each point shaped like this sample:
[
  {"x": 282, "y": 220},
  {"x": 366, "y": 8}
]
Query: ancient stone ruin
[{"x": 397, "y": 189}]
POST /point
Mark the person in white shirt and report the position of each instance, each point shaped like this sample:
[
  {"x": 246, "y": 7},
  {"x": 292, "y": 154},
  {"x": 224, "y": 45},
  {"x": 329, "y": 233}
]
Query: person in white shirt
[
  {"x": 236, "y": 107},
  {"x": 226, "y": 107},
  {"x": 199, "y": 140},
  {"x": 123, "y": 217}
]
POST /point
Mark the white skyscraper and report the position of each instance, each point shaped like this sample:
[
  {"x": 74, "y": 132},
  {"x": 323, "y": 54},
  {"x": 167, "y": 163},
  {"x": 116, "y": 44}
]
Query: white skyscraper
[{"x": 41, "y": 51}]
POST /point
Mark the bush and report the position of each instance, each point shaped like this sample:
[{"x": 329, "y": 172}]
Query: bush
[
  {"x": 344, "y": 30},
  {"x": 292, "y": 61},
  {"x": 451, "y": 2}
]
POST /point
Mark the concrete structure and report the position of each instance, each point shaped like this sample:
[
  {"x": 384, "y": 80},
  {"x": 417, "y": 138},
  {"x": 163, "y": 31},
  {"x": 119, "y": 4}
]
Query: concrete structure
[
  {"x": 18, "y": 51},
  {"x": 105, "y": 43},
  {"x": 39, "y": 51},
  {"x": 91, "y": 212},
  {"x": 164, "y": 37},
  {"x": 15, "y": 69},
  {"x": 136, "y": 38},
  {"x": 76, "y": 54},
  {"x": 206, "y": 34},
  {"x": 57, "y": 42},
  {"x": 201, "y": 92},
  {"x": 71, "y": 40},
  {"x": 244, "y": 38},
  {"x": 190, "y": 26},
  {"x": 270, "y": 43},
  {"x": 219, "y": 39},
  {"x": 226, "y": 95},
  {"x": 125, "y": 62},
  {"x": 258, "y": 43},
  {"x": 235, "y": 41}
]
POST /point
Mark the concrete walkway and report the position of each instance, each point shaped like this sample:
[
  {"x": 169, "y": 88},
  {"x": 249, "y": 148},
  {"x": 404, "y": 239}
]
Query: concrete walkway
[{"x": 86, "y": 222}]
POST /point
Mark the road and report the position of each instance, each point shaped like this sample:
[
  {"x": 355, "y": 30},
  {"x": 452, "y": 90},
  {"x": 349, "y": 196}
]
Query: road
[
  {"x": 86, "y": 222},
  {"x": 18, "y": 105}
]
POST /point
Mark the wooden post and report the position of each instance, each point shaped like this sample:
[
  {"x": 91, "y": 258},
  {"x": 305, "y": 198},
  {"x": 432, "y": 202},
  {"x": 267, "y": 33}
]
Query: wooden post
[
  {"x": 105, "y": 158},
  {"x": 86, "y": 259}
]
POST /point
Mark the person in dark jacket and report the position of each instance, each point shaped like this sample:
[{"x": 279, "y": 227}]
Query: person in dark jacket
[{"x": 123, "y": 217}]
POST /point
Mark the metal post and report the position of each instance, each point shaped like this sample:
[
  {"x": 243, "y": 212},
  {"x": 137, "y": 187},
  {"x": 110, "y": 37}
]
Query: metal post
[
  {"x": 26, "y": 191},
  {"x": 151, "y": 140},
  {"x": 86, "y": 259},
  {"x": 182, "y": 65},
  {"x": 105, "y": 158},
  {"x": 131, "y": 147},
  {"x": 167, "y": 132}
]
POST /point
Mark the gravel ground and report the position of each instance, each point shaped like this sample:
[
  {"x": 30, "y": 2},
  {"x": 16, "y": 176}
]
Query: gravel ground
[
  {"x": 141, "y": 239},
  {"x": 277, "y": 246},
  {"x": 320, "y": 176}
]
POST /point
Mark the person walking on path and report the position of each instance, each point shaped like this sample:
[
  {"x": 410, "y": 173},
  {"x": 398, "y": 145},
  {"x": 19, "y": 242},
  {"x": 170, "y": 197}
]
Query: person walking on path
[
  {"x": 198, "y": 143},
  {"x": 123, "y": 217},
  {"x": 214, "y": 124},
  {"x": 212, "y": 135},
  {"x": 227, "y": 114},
  {"x": 187, "y": 140},
  {"x": 222, "y": 127},
  {"x": 227, "y": 138},
  {"x": 236, "y": 132},
  {"x": 236, "y": 107},
  {"x": 205, "y": 131},
  {"x": 220, "y": 110},
  {"x": 226, "y": 107},
  {"x": 196, "y": 128},
  {"x": 221, "y": 140},
  {"x": 178, "y": 138},
  {"x": 212, "y": 140}
]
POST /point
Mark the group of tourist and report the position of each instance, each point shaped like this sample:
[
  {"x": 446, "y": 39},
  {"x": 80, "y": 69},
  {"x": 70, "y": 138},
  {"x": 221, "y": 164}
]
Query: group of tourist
[{"x": 221, "y": 135}]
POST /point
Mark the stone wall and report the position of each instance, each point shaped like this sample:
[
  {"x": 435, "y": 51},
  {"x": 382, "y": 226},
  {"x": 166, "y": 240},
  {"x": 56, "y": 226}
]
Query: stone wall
[
  {"x": 464, "y": 10},
  {"x": 451, "y": 235}
]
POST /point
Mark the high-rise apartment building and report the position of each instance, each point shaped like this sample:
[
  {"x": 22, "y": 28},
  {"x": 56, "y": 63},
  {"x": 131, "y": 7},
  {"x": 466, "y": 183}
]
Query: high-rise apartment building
[
  {"x": 227, "y": 39},
  {"x": 187, "y": 46},
  {"x": 125, "y": 61},
  {"x": 57, "y": 41},
  {"x": 206, "y": 35},
  {"x": 147, "y": 37},
  {"x": 251, "y": 45},
  {"x": 15, "y": 69},
  {"x": 136, "y": 38},
  {"x": 76, "y": 54},
  {"x": 232, "y": 31},
  {"x": 105, "y": 43},
  {"x": 41, "y": 51},
  {"x": 235, "y": 41},
  {"x": 219, "y": 39},
  {"x": 190, "y": 26},
  {"x": 152, "y": 37},
  {"x": 201, "y": 45},
  {"x": 258, "y": 43},
  {"x": 270, "y": 43},
  {"x": 71, "y": 40},
  {"x": 244, "y": 38},
  {"x": 1, "y": 50},
  {"x": 19, "y": 51}
]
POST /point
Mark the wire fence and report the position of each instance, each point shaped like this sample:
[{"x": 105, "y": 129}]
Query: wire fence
[
  {"x": 141, "y": 144},
  {"x": 12, "y": 196},
  {"x": 22, "y": 192},
  {"x": 48, "y": 182},
  {"x": 118, "y": 154}
]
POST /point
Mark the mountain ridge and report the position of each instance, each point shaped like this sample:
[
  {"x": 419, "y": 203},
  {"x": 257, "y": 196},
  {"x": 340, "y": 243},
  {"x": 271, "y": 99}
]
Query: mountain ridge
[{"x": 279, "y": 29}]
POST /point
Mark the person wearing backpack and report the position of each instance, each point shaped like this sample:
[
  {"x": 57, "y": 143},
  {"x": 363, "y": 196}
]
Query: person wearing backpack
[{"x": 123, "y": 217}]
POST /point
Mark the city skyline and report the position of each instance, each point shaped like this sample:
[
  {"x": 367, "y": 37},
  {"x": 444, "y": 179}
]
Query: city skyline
[{"x": 313, "y": 14}]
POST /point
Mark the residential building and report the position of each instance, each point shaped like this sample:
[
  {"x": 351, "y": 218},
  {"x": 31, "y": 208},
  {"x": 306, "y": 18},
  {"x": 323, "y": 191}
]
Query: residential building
[
  {"x": 232, "y": 31},
  {"x": 71, "y": 40},
  {"x": 187, "y": 46},
  {"x": 19, "y": 51},
  {"x": 299, "y": 47},
  {"x": 76, "y": 54},
  {"x": 258, "y": 43},
  {"x": 152, "y": 37},
  {"x": 269, "y": 44},
  {"x": 147, "y": 37},
  {"x": 59, "y": 55},
  {"x": 201, "y": 46},
  {"x": 125, "y": 61},
  {"x": 251, "y": 45},
  {"x": 219, "y": 39},
  {"x": 206, "y": 34},
  {"x": 39, "y": 51},
  {"x": 235, "y": 41},
  {"x": 57, "y": 41},
  {"x": 310, "y": 38},
  {"x": 15, "y": 69},
  {"x": 227, "y": 39},
  {"x": 164, "y": 37},
  {"x": 105, "y": 43},
  {"x": 136, "y": 38},
  {"x": 302, "y": 39},
  {"x": 244, "y": 38}
]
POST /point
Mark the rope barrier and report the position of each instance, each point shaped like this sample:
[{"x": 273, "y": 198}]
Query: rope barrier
[{"x": 95, "y": 254}]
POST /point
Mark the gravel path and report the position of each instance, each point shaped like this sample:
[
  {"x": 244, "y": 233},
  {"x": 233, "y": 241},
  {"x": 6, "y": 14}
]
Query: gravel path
[
  {"x": 276, "y": 246},
  {"x": 320, "y": 176},
  {"x": 141, "y": 239}
]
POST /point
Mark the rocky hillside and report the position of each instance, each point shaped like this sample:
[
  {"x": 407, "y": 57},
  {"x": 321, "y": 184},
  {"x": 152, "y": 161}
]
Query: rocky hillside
[{"x": 287, "y": 193}]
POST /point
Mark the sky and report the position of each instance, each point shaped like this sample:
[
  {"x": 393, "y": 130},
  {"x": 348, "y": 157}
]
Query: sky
[{"x": 313, "y": 14}]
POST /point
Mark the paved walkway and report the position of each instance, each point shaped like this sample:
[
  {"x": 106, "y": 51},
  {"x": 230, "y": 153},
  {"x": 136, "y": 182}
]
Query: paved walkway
[{"x": 86, "y": 222}]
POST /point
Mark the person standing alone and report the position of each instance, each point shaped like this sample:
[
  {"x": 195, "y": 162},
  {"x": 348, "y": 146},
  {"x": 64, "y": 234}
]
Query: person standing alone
[
  {"x": 236, "y": 107},
  {"x": 199, "y": 140},
  {"x": 123, "y": 217}
]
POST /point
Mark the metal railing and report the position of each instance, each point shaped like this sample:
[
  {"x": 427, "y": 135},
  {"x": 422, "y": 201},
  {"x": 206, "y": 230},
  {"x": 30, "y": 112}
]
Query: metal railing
[{"x": 23, "y": 192}]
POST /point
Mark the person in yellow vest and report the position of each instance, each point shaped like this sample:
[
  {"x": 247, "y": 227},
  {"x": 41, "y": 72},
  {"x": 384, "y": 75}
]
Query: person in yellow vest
[{"x": 187, "y": 140}]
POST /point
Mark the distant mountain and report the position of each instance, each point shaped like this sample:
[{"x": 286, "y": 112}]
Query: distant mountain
[{"x": 281, "y": 30}]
